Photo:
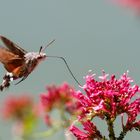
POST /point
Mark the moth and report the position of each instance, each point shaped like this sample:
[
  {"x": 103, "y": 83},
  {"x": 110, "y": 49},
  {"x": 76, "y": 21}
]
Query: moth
[{"x": 19, "y": 63}]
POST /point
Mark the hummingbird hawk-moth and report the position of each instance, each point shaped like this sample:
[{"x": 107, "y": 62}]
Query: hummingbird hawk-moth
[{"x": 19, "y": 63}]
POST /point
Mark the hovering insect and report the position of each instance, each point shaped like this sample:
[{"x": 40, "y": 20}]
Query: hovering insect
[{"x": 19, "y": 63}]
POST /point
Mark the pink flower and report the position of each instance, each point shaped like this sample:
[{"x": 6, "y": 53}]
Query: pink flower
[
  {"x": 107, "y": 99},
  {"x": 133, "y": 111},
  {"x": 18, "y": 107},
  {"x": 135, "y": 4},
  {"x": 61, "y": 98},
  {"x": 90, "y": 134},
  {"x": 23, "y": 111},
  {"x": 78, "y": 133},
  {"x": 58, "y": 97},
  {"x": 108, "y": 96}
]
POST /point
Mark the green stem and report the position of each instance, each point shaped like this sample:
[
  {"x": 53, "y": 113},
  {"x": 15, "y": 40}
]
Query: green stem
[
  {"x": 62, "y": 114},
  {"x": 64, "y": 119},
  {"x": 104, "y": 138},
  {"x": 110, "y": 128}
]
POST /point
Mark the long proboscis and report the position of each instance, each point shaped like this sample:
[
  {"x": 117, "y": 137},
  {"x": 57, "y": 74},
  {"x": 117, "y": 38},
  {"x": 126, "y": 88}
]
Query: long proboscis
[{"x": 62, "y": 58}]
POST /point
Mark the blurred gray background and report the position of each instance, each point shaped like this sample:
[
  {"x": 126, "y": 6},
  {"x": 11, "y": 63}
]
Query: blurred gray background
[{"x": 90, "y": 34}]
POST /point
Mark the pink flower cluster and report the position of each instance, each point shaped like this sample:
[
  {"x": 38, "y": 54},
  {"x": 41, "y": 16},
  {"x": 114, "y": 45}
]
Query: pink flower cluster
[
  {"x": 90, "y": 134},
  {"x": 18, "y": 107},
  {"x": 60, "y": 98},
  {"x": 106, "y": 99},
  {"x": 23, "y": 111},
  {"x": 135, "y": 4},
  {"x": 57, "y": 97}
]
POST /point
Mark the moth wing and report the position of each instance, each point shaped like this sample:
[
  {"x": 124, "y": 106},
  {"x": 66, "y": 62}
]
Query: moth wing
[
  {"x": 14, "y": 48},
  {"x": 13, "y": 64},
  {"x": 10, "y": 60},
  {"x": 6, "y": 55}
]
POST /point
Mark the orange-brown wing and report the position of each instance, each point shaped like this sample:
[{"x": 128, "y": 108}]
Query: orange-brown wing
[
  {"x": 10, "y": 60},
  {"x": 14, "y": 48},
  {"x": 6, "y": 55},
  {"x": 13, "y": 64}
]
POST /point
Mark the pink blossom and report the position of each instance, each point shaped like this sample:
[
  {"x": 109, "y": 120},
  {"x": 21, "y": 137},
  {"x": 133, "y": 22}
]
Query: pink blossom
[
  {"x": 78, "y": 133},
  {"x": 18, "y": 107},
  {"x": 134, "y": 4},
  {"x": 91, "y": 131},
  {"x": 57, "y": 97},
  {"x": 108, "y": 98},
  {"x": 61, "y": 98}
]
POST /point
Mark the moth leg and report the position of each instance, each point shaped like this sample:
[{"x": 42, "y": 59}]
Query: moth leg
[
  {"x": 22, "y": 79},
  {"x": 6, "y": 80}
]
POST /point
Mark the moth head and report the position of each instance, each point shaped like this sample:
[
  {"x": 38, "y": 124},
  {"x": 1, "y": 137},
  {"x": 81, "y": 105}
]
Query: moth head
[{"x": 41, "y": 56}]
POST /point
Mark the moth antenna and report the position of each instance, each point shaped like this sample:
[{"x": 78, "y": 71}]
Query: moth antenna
[
  {"x": 62, "y": 58},
  {"x": 43, "y": 49},
  {"x": 40, "y": 50}
]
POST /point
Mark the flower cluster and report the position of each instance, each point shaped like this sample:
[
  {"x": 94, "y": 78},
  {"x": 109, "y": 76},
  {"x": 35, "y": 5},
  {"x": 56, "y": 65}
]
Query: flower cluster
[
  {"x": 106, "y": 99},
  {"x": 90, "y": 134},
  {"x": 60, "y": 98},
  {"x": 23, "y": 111},
  {"x": 134, "y": 4},
  {"x": 17, "y": 107}
]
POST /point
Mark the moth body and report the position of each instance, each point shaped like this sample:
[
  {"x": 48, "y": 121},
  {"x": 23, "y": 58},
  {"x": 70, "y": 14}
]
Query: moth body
[{"x": 32, "y": 59}]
